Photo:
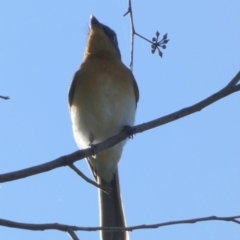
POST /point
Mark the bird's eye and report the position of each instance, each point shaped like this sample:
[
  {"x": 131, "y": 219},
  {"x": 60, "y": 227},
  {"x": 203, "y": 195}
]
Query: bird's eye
[{"x": 114, "y": 38}]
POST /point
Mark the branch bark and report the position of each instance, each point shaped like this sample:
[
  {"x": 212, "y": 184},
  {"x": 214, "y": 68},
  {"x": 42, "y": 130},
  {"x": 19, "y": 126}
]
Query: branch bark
[
  {"x": 72, "y": 234},
  {"x": 69, "y": 228},
  {"x": 4, "y": 97},
  {"x": 129, "y": 11}
]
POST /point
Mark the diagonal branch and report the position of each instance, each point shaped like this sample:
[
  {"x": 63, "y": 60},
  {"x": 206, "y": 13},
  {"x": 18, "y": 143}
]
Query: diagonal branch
[
  {"x": 73, "y": 157},
  {"x": 192, "y": 109},
  {"x": 79, "y": 173},
  {"x": 72, "y": 234}
]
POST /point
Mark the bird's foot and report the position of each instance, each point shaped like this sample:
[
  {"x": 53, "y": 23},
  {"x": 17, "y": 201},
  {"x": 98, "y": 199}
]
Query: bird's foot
[
  {"x": 130, "y": 131},
  {"x": 93, "y": 149}
]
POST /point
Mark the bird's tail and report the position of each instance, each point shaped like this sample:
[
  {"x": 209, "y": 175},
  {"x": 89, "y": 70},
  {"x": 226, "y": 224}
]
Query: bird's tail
[{"x": 111, "y": 210}]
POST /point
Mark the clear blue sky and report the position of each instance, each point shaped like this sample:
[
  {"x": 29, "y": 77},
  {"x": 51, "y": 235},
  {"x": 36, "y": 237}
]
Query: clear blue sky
[{"x": 186, "y": 169}]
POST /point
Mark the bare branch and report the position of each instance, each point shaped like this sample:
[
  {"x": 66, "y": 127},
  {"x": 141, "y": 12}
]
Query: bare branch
[
  {"x": 189, "y": 110},
  {"x": 189, "y": 221},
  {"x": 69, "y": 228},
  {"x": 73, "y": 157},
  {"x": 132, "y": 32},
  {"x": 155, "y": 43},
  {"x": 48, "y": 166},
  {"x": 72, "y": 234},
  {"x": 5, "y": 98},
  {"x": 147, "y": 40},
  {"x": 234, "y": 81},
  {"x": 76, "y": 170}
]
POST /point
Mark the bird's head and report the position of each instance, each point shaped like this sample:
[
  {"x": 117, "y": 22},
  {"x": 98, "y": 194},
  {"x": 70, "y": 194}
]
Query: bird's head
[{"x": 102, "y": 41}]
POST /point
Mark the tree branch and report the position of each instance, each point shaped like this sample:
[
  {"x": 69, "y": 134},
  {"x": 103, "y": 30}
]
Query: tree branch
[
  {"x": 79, "y": 173},
  {"x": 129, "y": 11},
  {"x": 155, "y": 43},
  {"x": 72, "y": 234},
  {"x": 5, "y": 98},
  {"x": 71, "y": 228},
  {"x": 67, "y": 160}
]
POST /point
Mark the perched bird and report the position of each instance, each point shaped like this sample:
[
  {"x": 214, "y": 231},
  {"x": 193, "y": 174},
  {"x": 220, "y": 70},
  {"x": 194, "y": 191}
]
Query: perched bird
[{"x": 103, "y": 98}]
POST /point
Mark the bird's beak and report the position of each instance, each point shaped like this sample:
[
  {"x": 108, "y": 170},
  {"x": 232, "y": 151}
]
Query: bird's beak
[{"x": 93, "y": 21}]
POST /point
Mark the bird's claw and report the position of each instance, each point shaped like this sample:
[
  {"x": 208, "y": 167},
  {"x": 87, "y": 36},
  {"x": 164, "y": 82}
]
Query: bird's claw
[{"x": 130, "y": 131}]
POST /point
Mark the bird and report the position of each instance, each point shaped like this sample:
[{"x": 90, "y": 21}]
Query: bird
[{"x": 102, "y": 99}]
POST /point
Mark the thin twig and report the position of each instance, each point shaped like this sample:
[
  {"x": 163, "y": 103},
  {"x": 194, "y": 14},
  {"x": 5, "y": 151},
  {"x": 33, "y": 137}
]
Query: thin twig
[
  {"x": 5, "y": 98},
  {"x": 155, "y": 45},
  {"x": 129, "y": 11},
  {"x": 143, "y": 37},
  {"x": 110, "y": 142},
  {"x": 234, "y": 81},
  {"x": 76, "y": 170},
  {"x": 72, "y": 234},
  {"x": 45, "y": 167}
]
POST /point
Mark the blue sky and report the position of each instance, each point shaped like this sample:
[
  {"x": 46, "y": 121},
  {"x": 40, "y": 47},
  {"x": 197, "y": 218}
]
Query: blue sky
[{"x": 186, "y": 169}]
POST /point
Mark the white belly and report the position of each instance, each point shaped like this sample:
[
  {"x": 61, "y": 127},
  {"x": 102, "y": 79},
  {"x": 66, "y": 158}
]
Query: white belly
[{"x": 99, "y": 115}]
